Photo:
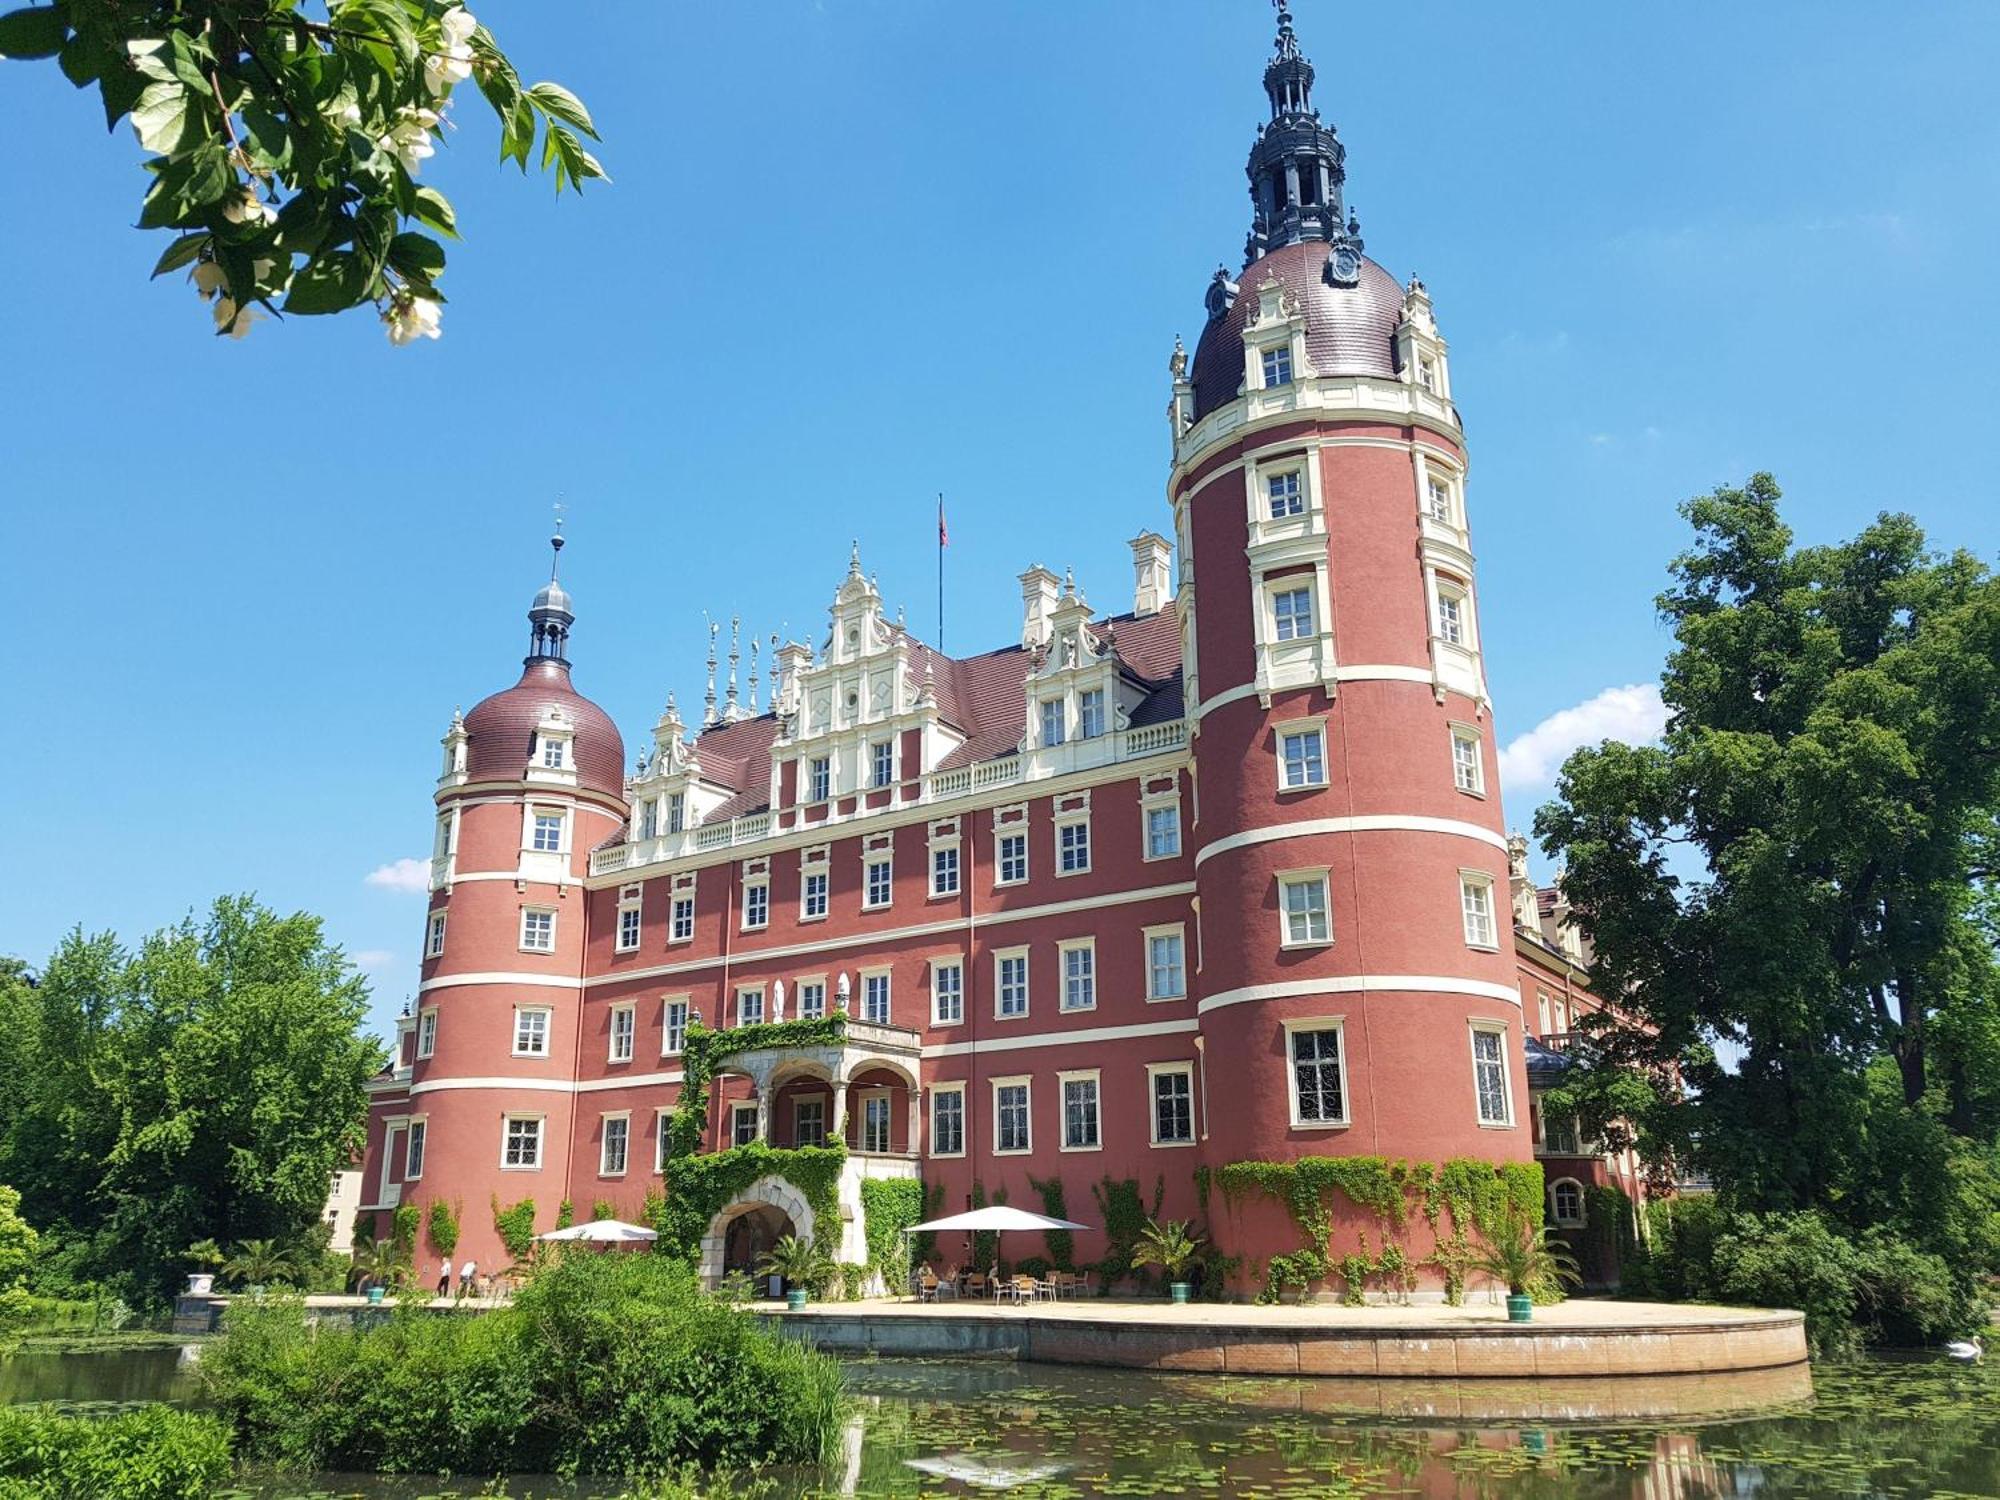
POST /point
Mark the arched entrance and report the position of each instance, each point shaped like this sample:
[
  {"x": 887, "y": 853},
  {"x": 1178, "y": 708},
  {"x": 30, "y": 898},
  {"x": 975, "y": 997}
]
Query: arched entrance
[
  {"x": 770, "y": 1209},
  {"x": 749, "y": 1235}
]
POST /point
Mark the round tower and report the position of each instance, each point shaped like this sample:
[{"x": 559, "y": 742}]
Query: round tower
[
  {"x": 532, "y": 781},
  {"x": 1356, "y": 990}
]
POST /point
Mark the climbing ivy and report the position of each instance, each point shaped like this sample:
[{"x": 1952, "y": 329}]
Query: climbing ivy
[
  {"x": 1124, "y": 1213},
  {"x": 889, "y": 1205},
  {"x": 443, "y": 1225},
  {"x": 986, "y": 1244},
  {"x": 565, "y": 1214},
  {"x": 1061, "y": 1243},
  {"x": 516, "y": 1226},
  {"x": 923, "y": 1247},
  {"x": 403, "y": 1226}
]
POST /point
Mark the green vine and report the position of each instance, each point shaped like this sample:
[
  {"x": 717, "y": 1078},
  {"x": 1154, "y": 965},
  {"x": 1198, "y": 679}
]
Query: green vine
[
  {"x": 443, "y": 1227},
  {"x": 1060, "y": 1243},
  {"x": 565, "y": 1214},
  {"x": 923, "y": 1247},
  {"x": 1125, "y": 1214},
  {"x": 403, "y": 1226},
  {"x": 889, "y": 1205},
  {"x": 516, "y": 1226},
  {"x": 985, "y": 1245}
]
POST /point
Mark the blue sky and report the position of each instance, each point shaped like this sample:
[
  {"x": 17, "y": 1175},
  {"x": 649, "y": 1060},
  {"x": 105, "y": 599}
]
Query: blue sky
[{"x": 857, "y": 253}]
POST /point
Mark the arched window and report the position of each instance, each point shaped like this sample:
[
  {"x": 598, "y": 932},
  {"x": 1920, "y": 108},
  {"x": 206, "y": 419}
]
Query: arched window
[{"x": 1566, "y": 1203}]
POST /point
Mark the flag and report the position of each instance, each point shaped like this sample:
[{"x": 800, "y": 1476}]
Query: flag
[{"x": 944, "y": 537}]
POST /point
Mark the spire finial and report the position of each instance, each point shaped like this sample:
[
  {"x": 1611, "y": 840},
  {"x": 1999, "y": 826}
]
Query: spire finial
[
  {"x": 729, "y": 708},
  {"x": 854, "y": 558},
  {"x": 1287, "y": 44},
  {"x": 556, "y": 542},
  {"x": 708, "y": 698},
  {"x": 753, "y": 675}
]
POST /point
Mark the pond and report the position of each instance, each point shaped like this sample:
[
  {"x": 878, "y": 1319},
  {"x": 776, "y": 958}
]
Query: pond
[{"x": 1912, "y": 1426}]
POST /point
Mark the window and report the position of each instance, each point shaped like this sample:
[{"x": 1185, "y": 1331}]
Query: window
[
  {"x": 1303, "y": 898},
  {"x": 649, "y": 817},
  {"x": 1012, "y": 859},
  {"x": 875, "y": 1123},
  {"x": 1173, "y": 1104},
  {"x": 1010, "y": 1116},
  {"x": 1286, "y": 494},
  {"x": 1166, "y": 964},
  {"x": 1292, "y": 614},
  {"x": 1090, "y": 714},
  {"x": 812, "y": 999},
  {"x": 878, "y": 886},
  {"x": 742, "y": 1124},
  {"x": 552, "y": 752},
  {"x": 1542, "y": 1012},
  {"x": 521, "y": 1147},
  {"x": 944, "y": 871},
  {"x": 1566, "y": 1203},
  {"x": 434, "y": 938},
  {"x": 413, "y": 1151},
  {"x": 1476, "y": 897},
  {"x": 1010, "y": 996},
  {"x": 674, "y": 1028},
  {"x": 1319, "y": 1095},
  {"x": 548, "y": 832},
  {"x": 1427, "y": 373},
  {"x": 809, "y": 1122},
  {"x": 1080, "y": 1112},
  {"x": 624, "y": 1029},
  {"x": 538, "y": 929},
  {"x": 947, "y": 993},
  {"x": 1072, "y": 848},
  {"x": 1079, "y": 971},
  {"x": 756, "y": 904},
  {"x": 875, "y": 998},
  {"x": 628, "y": 928},
  {"x": 531, "y": 1031},
  {"x": 882, "y": 763},
  {"x": 1277, "y": 367},
  {"x": 1437, "y": 498},
  {"x": 948, "y": 1120},
  {"x": 660, "y": 1142},
  {"x": 1163, "y": 831},
  {"x": 1052, "y": 721},
  {"x": 1468, "y": 771},
  {"x": 1301, "y": 757},
  {"x": 427, "y": 1032},
  {"x": 1451, "y": 615},
  {"x": 819, "y": 778},
  {"x": 1489, "y": 1075},
  {"x": 617, "y": 1141},
  {"x": 1560, "y": 1135},
  {"x": 812, "y": 895},
  {"x": 750, "y": 1005},
  {"x": 680, "y": 920},
  {"x": 676, "y": 812}
]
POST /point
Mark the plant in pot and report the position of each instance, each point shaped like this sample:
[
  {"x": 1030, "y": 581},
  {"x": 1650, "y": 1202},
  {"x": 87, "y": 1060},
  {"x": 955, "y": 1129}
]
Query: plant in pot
[
  {"x": 382, "y": 1266},
  {"x": 1519, "y": 1251},
  {"x": 204, "y": 1256},
  {"x": 1172, "y": 1247},
  {"x": 803, "y": 1265}
]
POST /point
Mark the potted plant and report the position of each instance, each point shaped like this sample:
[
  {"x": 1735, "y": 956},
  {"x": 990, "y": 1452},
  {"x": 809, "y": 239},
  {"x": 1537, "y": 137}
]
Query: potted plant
[
  {"x": 382, "y": 1266},
  {"x": 1172, "y": 1247},
  {"x": 802, "y": 1265},
  {"x": 1520, "y": 1252},
  {"x": 205, "y": 1255}
]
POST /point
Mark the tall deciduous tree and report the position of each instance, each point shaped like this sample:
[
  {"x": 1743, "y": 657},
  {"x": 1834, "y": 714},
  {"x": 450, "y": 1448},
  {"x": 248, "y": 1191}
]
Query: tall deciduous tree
[{"x": 1785, "y": 891}]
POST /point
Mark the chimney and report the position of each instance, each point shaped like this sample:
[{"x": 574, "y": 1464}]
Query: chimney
[
  {"x": 1152, "y": 576},
  {"x": 1039, "y": 590}
]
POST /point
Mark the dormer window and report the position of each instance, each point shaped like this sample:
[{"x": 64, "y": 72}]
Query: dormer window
[
  {"x": 1053, "y": 721},
  {"x": 649, "y": 817},
  {"x": 548, "y": 832},
  {"x": 1090, "y": 714},
  {"x": 819, "y": 779},
  {"x": 676, "y": 811},
  {"x": 1427, "y": 374},
  {"x": 1292, "y": 614},
  {"x": 1287, "y": 495},
  {"x": 882, "y": 768},
  {"x": 1277, "y": 367},
  {"x": 552, "y": 752}
]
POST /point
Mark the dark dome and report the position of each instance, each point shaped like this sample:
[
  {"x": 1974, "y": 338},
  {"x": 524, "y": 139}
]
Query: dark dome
[
  {"x": 1350, "y": 330},
  {"x": 500, "y": 732}
]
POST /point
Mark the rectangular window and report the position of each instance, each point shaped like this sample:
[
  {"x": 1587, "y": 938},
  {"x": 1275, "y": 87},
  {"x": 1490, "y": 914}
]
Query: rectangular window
[
  {"x": 676, "y": 812},
  {"x": 413, "y": 1155},
  {"x": 1079, "y": 970},
  {"x": 1173, "y": 1106},
  {"x": 819, "y": 779},
  {"x": 1560, "y": 1135},
  {"x": 812, "y": 999},
  {"x": 742, "y": 1124},
  {"x": 1013, "y": 858},
  {"x": 750, "y": 1005},
  {"x": 809, "y": 1122},
  {"x": 1467, "y": 771},
  {"x": 882, "y": 763},
  {"x": 552, "y": 753},
  {"x": 1286, "y": 494},
  {"x": 1277, "y": 367},
  {"x": 1292, "y": 614},
  {"x": 1489, "y": 1076},
  {"x": 674, "y": 1028},
  {"x": 1090, "y": 714},
  {"x": 649, "y": 817},
  {"x": 531, "y": 1031},
  {"x": 944, "y": 871},
  {"x": 948, "y": 1121},
  {"x": 427, "y": 1032},
  {"x": 1052, "y": 721},
  {"x": 523, "y": 1148},
  {"x": 812, "y": 895},
  {"x": 756, "y": 905},
  {"x": 875, "y": 998},
  {"x": 1010, "y": 984},
  {"x": 1163, "y": 831},
  {"x": 875, "y": 1123},
  {"x": 878, "y": 884},
  {"x": 947, "y": 994},
  {"x": 1080, "y": 1112},
  {"x": 1451, "y": 617},
  {"x": 1010, "y": 1116},
  {"x": 1305, "y": 908},
  {"x": 628, "y": 928},
  {"x": 1476, "y": 897},
  {"x": 548, "y": 832},
  {"x": 680, "y": 922},
  {"x": 434, "y": 939},
  {"x": 617, "y": 1143},
  {"x": 1166, "y": 965},
  {"x": 1302, "y": 757},
  {"x": 1317, "y": 1095},
  {"x": 1072, "y": 848},
  {"x": 624, "y": 1030},
  {"x": 1438, "y": 494},
  {"x": 538, "y": 930}
]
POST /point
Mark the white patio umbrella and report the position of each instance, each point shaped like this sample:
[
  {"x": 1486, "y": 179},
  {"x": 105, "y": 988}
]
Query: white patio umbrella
[
  {"x": 601, "y": 1232},
  {"x": 994, "y": 1219}
]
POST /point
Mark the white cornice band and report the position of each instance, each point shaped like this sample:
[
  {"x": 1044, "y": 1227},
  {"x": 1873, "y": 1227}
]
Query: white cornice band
[
  {"x": 1060, "y": 1038},
  {"x": 1385, "y": 672},
  {"x": 1352, "y": 984},
  {"x": 1370, "y": 823},
  {"x": 546, "y": 981}
]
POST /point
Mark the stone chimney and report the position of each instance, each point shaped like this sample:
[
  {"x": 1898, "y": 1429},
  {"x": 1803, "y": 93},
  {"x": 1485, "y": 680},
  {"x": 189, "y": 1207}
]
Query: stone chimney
[
  {"x": 1039, "y": 591},
  {"x": 1152, "y": 575}
]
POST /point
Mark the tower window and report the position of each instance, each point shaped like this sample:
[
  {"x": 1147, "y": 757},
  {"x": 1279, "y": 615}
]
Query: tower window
[
  {"x": 1277, "y": 367},
  {"x": 1476, "y": 900},
  {"x": 1319, "y": 1095},
  {"x": 538, "y": 930},
  {"x": 1286, "y": 495},
  {"x": 413, "y": 1157},
  {"x": 1451, "y": 616},
  {"x": 427, "y": 1032},
  {"x": 531, "y": 1031},
  {"x": 1292, "y": 614},
  {"x": 1427, "y": 374},
  {"x": 548, "y": 832},
  {"x": 434, "y": 939},
  {"x": 1467, "y": 771},
  {"x": 1302, "y": 898},
  {"x": 1489, "y": 1075},
  {"x": 1438, "y": 495},
  {"x": 522, "y": 1150},
  {"x": 552, "y": 753},
  {"x": 1301, "y": 758}
]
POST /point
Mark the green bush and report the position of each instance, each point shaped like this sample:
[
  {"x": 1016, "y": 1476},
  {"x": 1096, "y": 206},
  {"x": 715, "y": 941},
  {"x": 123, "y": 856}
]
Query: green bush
[
  {"x": 154, "y": 1453},
  {"x": 605, "y": 1364}
]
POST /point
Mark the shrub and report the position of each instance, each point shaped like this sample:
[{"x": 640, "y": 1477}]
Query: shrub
[{"x": 154, "y": 1453}]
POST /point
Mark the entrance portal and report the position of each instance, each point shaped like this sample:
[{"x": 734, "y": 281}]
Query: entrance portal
[{"x": 750, "y": 1235}]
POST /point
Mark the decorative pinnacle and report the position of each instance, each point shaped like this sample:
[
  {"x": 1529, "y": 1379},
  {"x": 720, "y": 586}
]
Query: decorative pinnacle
[
  {"x": 556, "y": 542},
  {"x": 1287, "y": 44}
]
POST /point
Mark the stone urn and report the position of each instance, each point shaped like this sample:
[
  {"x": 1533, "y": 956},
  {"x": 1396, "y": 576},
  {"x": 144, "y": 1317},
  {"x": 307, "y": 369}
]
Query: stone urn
[{"x": 200, "y": 1283}]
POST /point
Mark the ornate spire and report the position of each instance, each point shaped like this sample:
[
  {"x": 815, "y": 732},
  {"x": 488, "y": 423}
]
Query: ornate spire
[
  {"x": 708, "y": 698},
  {"x": 1297, "y": 166},
  {"x": 550, "y": 616},
  {"x": 730, "y": 712}
]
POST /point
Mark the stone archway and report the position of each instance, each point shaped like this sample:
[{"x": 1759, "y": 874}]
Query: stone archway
[{"x": 771, "y": 1192}]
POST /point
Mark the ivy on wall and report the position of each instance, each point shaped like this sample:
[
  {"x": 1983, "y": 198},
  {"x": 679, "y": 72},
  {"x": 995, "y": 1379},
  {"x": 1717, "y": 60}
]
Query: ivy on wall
[
  {"x": 923, "y": 1247},
  {"x": 889, "y": 1205},
  {"x": 1060, "y": 1243},
  {"x": 516, "y": 1226},
  {"x": 443, "y": 1227},
  {"x": 1124, "y": 1213}
]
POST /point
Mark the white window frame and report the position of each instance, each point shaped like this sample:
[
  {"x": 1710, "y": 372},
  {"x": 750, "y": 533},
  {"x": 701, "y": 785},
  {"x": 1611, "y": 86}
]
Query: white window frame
[
  {"x": 868, "y": 863},
  {"x": 862, "y": 1099},
  {"x": 1499, "y": 1030},
  {"x": 1337, "y": 1025},
  {"x": 434, "y": 935},
  {"x": 1001, "y": 957},
  {"x": 1286, "y": 584},
  {"x": 416, "y": 1144},
  {"x": 945, "y": 854},
  {"x": 676, "y": 812},
  {"x": 540, "y": 1121},
  {"x": 1298, "y": 491},
  {"x": 1178, "y": 932},
  {"x": 1001, "y": 837},
  {"x": 538, "y": 911},
  {"x": 1294, "y": 729},
  {"x": 1095, "y": 1078},
  {"x": 1462, "y": 736},
  {"x": 559, "y": 816},
  {"x": 931, "y": 1137},
  {"x": 743, "y": 993},
  {"x": 680, "y": 905},
  {"x": 660, "y": 1117},
  {"x": 955, "y": 963},
  {"x": 876, "y": 759},
  {"x": 668, "y": 1004},
  {"x": 1556, "y": 1215},
  {"x": 1156, "y": 1071},
  {"x": 427, "y": 1031},
  {"x": 1287, "y": 878},
  {"x": 807, "y": 982},
  {"x": 1086, "y": 946},
  {"x": 819, "y": 778},
  {"x": 1460, "y": 595},
  {"x": 1084, "y": 705},
  {"x": 1468, "y": 882},
  {"x": 1063, "y": 823},
  {"x": 1026, "y": 1084},
  {"x": 604, "y": 1123},
  {"x": 631, "y": 907},
  {"x": 737, "y": 1110},
  {"x": 753, "y": 887},
  {"x": 627, "y": 1012},
  {"x": 548, "y": 1015},
  {"x": 885, "y": 976},
  {"x": 1054, "y": 710},
  {"x": 554, "y": 751},
  {"x": 1277, "y": 358},
  {"x": 820, "y": 1101}
]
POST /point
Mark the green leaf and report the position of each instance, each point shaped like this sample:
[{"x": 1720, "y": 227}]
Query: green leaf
[
  {"x": 265, "y": 138},
  {"x": 416, "y": 256},
  {"x": 434, "y": 210},
  {"x": 151, "y": 59},
  {"x": 38, "y": 31},
  {"x": 333, "y": 282},
  {"x": 161, "y": 117},
  {"x": 560, "y": 102},
  {"x": 82, "y": 60},
  {"x": 183, "y": 188},
  {"x": 517, "y": 139},
  {"x": 181, "y": 252},
  {"x": 385, "y": 19},
  {"x": 574, "y": 162}
]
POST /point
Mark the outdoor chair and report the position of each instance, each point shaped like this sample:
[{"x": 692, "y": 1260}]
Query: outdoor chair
[
  {"x": 948, "y": 1282},
  {"x": 1026, "y": 1288},
  {"x": 927, "y": 1285},
  {"x": 975, "y": 1285}
]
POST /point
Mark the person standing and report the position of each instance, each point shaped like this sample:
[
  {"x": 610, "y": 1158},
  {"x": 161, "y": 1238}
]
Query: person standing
[
  {"x": 444, "y": 1278},
  {"x": 465, "y": 1277}
]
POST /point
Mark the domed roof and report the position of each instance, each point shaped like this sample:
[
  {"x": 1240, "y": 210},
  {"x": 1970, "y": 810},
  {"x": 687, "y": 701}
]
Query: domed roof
[
  {"x": 500, "y": 732},
  {"x": 1350, "y": 330},
  {"x": 553, "y": 596}
]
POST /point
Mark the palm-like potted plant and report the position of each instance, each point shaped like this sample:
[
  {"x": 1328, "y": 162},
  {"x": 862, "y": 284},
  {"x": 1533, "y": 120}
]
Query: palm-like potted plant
[
  {"x": 1172, "y": 1247},
  {"x": 382, "y": 1264},
  {"x": 1519, "y": 1251},
  {"x": 802, "y": 1264},
  {"x": 204, "y": 1256}
]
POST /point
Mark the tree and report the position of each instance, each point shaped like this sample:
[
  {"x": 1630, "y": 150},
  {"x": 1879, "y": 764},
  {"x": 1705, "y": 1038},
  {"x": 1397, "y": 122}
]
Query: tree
[
  {"x": 260, "y": 1262},
  {"x": 17, "y": 1240},
  {"x": 1783, "y": 894},
  {"x": 283, "y": 152}
]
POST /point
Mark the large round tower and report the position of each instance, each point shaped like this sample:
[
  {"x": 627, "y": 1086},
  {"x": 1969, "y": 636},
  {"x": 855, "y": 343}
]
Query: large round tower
[{"x": 1356, "y": 987}]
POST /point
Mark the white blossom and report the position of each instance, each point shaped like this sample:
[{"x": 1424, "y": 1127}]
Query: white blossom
[
  {"x": 233, "y": 320},
  {"x": 208, "y": 280},
  {"x": 409, "y": 139},
  {"x": 411, "y": 318},
  {"x": 245, "y": 207},
  {"x": 350, "y": 115},
  {"x": 452, "y": 62}
]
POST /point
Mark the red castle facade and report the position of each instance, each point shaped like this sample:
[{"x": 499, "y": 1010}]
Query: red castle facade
[{"x": 1223, "y": 877}]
